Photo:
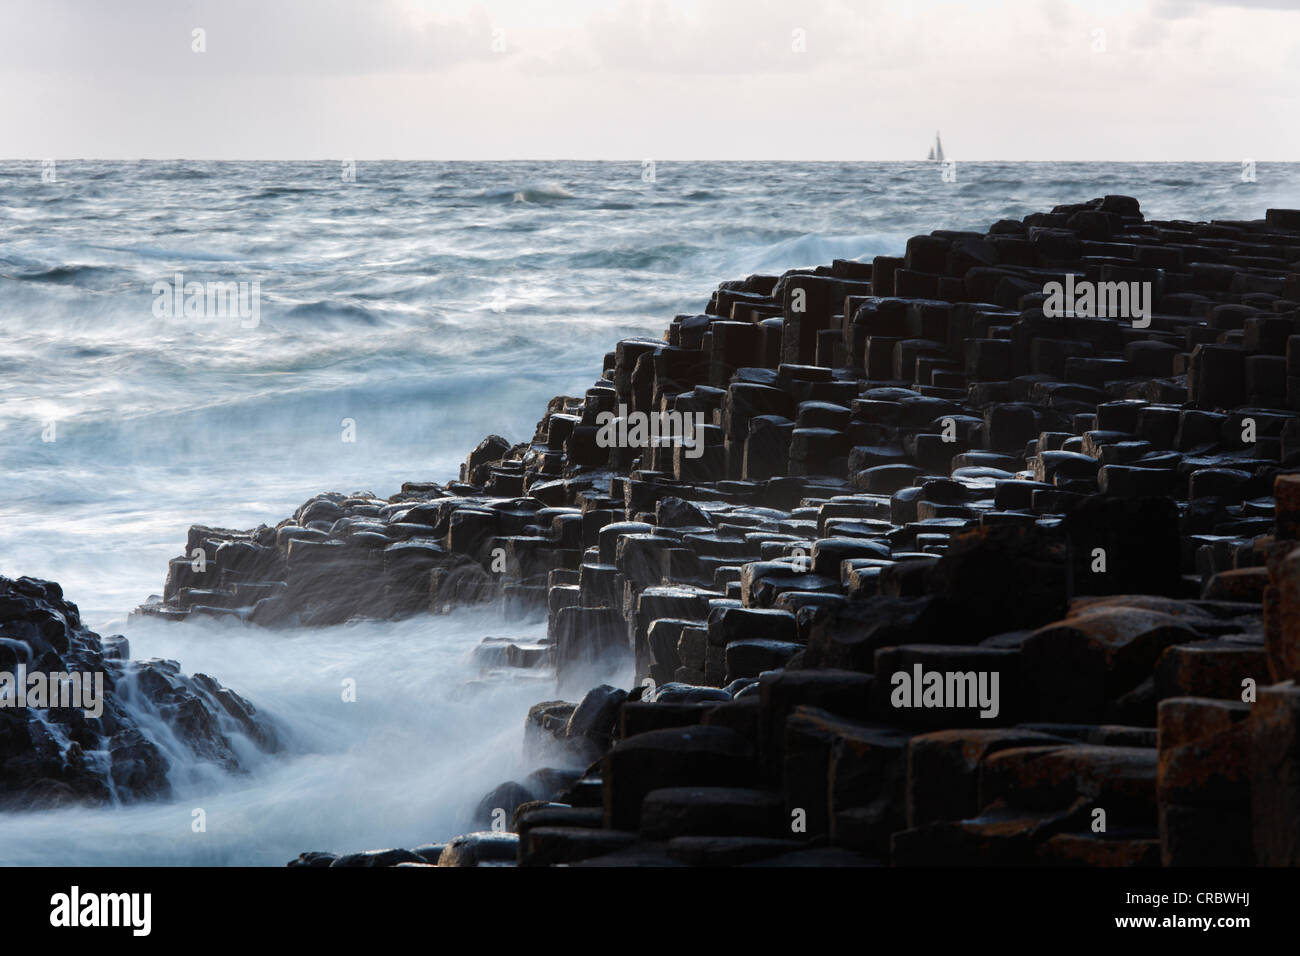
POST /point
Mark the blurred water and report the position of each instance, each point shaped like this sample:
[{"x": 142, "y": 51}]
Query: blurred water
[{"x": 404, "y": 764}]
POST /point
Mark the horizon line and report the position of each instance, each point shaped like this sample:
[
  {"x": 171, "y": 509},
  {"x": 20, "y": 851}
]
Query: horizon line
[{"x": 572, "y": 159}]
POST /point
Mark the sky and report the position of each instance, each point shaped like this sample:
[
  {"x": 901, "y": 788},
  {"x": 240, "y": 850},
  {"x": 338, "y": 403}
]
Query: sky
[{"x": 1154, "y": 80}]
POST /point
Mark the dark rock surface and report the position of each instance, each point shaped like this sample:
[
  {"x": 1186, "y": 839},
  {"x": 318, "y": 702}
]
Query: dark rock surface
[{"x": 914, "y": 475}]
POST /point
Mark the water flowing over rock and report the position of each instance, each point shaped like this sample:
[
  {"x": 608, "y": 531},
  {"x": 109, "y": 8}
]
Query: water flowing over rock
[{"x": 117, "y": 748}]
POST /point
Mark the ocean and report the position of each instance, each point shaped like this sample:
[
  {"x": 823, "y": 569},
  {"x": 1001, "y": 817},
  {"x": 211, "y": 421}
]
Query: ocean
[{"x": 403, "y": 311}]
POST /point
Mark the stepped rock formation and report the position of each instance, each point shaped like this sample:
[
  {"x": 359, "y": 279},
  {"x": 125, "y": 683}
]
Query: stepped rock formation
[{"x": 1085, "y": 526}]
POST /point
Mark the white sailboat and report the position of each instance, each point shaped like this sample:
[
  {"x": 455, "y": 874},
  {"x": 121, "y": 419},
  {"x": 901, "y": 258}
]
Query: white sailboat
[{"x": 936, "y": 151}]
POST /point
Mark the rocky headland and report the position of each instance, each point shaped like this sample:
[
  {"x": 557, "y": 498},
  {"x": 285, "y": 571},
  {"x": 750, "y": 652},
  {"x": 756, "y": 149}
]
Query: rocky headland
[{"x": 958, "y": 568}]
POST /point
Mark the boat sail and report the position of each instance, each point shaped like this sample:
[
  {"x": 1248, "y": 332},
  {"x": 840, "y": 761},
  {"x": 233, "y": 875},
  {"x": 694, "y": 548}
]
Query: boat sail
[{"x": 938, "y": 148}]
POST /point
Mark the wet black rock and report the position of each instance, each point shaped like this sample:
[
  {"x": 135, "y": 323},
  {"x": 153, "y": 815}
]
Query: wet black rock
[
  {"x": 484, "y": 848},
  {"x": 369, "y": 858}
]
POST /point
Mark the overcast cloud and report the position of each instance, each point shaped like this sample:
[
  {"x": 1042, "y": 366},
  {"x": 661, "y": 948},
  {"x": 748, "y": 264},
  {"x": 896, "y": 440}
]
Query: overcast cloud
[{"x": 665, "y": 79}]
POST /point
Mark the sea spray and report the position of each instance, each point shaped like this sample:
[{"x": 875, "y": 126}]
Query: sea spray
[{"x": 404, "y": 764}]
